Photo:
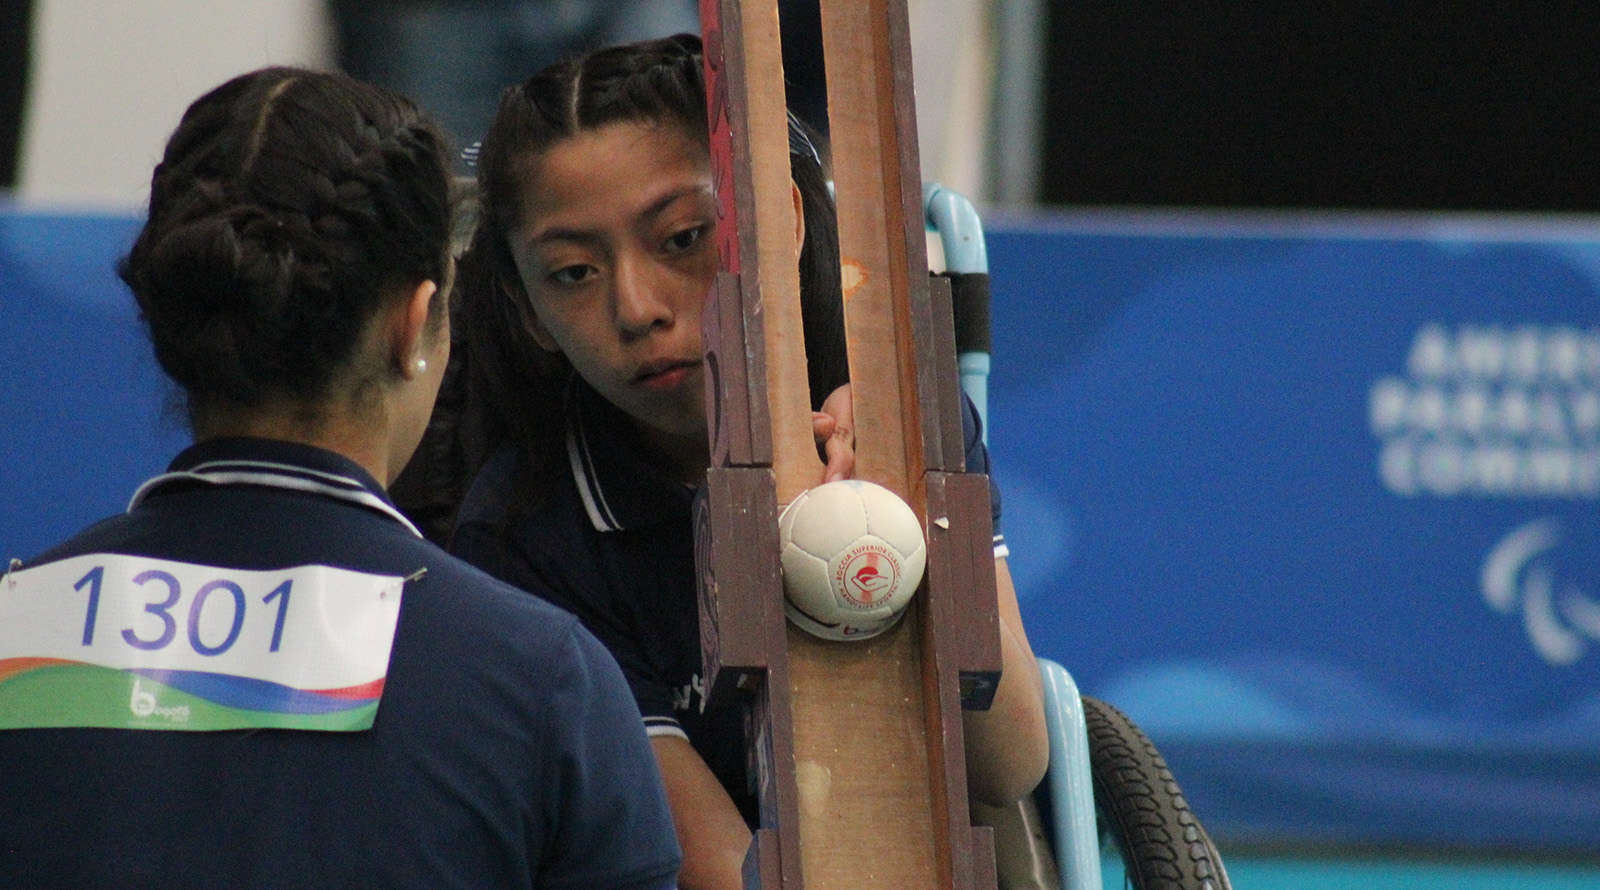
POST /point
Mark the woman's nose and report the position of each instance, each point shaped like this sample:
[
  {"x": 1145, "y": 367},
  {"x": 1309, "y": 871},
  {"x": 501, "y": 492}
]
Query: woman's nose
[{"x": 642, "y": 302}]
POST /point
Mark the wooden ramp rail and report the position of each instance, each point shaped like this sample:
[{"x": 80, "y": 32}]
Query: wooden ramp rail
[{"x": 858, "y": 750}]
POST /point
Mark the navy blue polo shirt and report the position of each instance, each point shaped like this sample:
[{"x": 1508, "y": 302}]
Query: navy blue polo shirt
[
  {"x": 612, "y": 541},
  {"x": 505, "y": 751}
]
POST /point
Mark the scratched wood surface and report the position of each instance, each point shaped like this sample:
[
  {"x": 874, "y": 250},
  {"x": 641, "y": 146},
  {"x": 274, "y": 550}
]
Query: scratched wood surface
[{"x": 857, "y": 744}]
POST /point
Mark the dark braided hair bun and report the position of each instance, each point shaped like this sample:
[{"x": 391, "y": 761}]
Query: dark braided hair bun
[{"x": 288, "y": 207}]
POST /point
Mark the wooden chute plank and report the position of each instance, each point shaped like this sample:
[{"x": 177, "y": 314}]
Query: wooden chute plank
[
  {"x": 750, "y": 154},
  {"x": 872, "y": 132},
  {"x": 759, "y": 409},
  {"x": 867, "y": 813},
  {"x": 742, "y": 639},
  {"x": 939, "y": 380},
  {"x": 862, "y": 756}
]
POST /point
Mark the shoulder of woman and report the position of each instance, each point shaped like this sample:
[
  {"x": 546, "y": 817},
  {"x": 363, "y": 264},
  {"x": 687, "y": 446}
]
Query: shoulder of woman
[{"x": 488, "y": 500}]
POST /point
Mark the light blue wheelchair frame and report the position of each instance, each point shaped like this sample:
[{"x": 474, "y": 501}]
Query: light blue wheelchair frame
[{"x": 1068, "y": 782}]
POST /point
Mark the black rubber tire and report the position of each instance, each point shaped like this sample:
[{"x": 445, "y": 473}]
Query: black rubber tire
[{"x": 1140, "y": 805}]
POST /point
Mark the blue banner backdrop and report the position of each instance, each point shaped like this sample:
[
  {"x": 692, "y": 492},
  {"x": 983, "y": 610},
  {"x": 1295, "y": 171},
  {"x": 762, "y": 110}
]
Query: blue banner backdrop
[
  {"x": 82, "y": 401},
  {"x": 1315, "y": 503}
]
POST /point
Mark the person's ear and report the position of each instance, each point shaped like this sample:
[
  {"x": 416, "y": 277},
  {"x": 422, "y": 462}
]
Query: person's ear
[
  {"x": 799, "y": 218},
  {"x": 409, "y": 341}
]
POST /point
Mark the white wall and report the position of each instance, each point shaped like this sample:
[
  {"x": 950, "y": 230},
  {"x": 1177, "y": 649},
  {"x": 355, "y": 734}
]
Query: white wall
[
  {"x": 112, "y": 77},
  {"x": 952, "y": 59}
]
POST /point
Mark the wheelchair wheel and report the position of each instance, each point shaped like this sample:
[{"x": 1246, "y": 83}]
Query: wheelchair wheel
[{"x": 1145, "y": 824}]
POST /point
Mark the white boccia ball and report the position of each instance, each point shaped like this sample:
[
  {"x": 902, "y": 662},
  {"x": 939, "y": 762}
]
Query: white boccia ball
[{"x": 853, "y": 554}]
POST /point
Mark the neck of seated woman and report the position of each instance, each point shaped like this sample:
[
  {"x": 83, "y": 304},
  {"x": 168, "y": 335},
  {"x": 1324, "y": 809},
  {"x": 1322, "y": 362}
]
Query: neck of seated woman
[{"x": 362, "y": 432}]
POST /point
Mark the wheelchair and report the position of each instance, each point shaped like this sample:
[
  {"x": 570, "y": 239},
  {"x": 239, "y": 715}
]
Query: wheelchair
[{"x": 1109, "y": 812}]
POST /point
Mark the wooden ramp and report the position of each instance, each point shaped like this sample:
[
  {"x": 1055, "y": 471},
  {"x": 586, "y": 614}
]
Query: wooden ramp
[{"x": 858, "y": 748}]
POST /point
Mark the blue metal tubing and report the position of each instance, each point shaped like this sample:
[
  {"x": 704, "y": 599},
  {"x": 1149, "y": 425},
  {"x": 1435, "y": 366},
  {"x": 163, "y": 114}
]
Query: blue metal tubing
[
  {"x": 1069, "y": 782},
  {"x": 960, "y": 231}
]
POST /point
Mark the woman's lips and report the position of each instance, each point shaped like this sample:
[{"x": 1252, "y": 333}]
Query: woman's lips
[{"x": 665, "y": 375}]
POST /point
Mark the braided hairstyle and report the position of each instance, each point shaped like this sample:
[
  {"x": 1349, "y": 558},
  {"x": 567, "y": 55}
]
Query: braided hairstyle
[
  {"x": 516, "y": 386},
  {"x": 289, "y": 207}
]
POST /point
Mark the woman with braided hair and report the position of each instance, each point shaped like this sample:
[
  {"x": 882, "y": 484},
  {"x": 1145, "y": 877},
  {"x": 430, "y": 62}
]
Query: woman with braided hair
[
  {"x": 261, "y": 675},
  {"x": 582, "y": 294}
]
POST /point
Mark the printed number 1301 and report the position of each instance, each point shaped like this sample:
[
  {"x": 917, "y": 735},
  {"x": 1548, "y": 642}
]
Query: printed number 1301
[{"x": 220, "y": 590}]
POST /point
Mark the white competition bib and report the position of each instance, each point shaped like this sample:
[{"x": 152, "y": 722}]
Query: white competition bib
[{"x": 131, "y": 642}]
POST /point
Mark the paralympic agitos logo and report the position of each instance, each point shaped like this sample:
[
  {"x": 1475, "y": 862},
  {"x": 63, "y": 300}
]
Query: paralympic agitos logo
[{"x": 1561, "y": 620}]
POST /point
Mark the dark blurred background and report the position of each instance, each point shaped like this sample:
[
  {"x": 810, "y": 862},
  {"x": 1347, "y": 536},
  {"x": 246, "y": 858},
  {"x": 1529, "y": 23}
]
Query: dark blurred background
[
  {"x": 1359, "y": 104},
  {"x": 14, "y": 61}
]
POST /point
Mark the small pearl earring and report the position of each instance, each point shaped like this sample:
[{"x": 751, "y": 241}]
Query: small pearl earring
[{"x": 422, "y": 366}]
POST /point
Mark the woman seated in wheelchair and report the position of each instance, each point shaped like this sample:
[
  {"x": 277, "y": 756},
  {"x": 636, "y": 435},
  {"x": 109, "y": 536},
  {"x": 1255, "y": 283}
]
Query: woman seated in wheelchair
[{"x": 582, "y": 294}]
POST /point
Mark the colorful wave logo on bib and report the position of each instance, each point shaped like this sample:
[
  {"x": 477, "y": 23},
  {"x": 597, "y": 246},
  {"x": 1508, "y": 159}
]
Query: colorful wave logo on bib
[{"x": 50, "y": 692}]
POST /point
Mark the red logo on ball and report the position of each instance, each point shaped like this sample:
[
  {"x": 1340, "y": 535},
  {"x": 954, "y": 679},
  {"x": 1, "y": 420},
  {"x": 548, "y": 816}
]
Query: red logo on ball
[{"x": 868, "y": 575}]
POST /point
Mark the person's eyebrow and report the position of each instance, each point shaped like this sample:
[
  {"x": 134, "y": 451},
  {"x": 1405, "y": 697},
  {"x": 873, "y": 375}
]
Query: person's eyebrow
[
  {"x": 659, "y": 205},
  {"x": 561, "y": 233},
  {"x": 653, "y": 209}
]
